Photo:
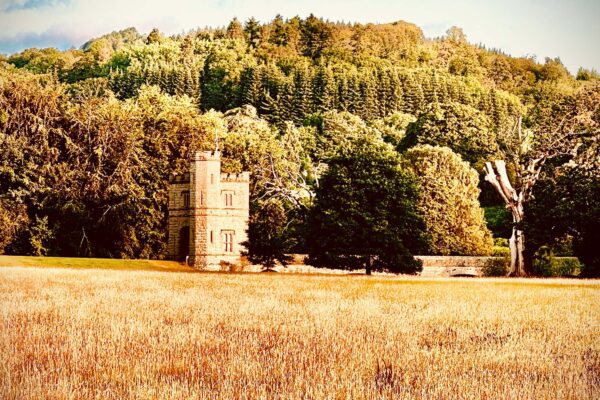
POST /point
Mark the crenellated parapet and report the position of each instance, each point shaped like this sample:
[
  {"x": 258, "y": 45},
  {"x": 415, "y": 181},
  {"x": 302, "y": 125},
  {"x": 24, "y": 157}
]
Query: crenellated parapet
[
  {"x": 239, "y": 177},
  {"x": 206, "y": 156},
  {"x": 179, "y": 178}
]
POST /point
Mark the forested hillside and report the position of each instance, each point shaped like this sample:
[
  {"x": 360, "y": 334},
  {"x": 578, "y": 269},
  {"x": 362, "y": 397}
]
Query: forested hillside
[{"x": 88, "y": 137}]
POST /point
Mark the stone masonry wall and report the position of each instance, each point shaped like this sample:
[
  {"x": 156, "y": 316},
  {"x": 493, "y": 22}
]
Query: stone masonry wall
[
  {"x": 179, "y": 215},
  {"x": 219, "y": 210}
]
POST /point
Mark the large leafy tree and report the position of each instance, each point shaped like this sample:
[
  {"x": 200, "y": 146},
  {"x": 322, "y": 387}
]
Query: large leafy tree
[
  {"x": 91, "y": 175},
  {"x": 268, "y": 239},
  {"x": 565, "y": 204},
  {"x": 448, "y": 192},
  {"x": 13, "y": 219},
  {"x": 364, "y": 214},
  {"x": 568, "y": 138},
  {"x": 464, "y": 129}
]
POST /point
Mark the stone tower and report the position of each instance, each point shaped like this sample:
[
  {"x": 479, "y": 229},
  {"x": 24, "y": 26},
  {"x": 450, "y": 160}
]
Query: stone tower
[{"x": 208, "y": 213}]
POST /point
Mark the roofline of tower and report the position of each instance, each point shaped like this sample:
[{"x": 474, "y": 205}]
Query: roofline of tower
[
  {"x": 235, "y": 177},
  {"x": 206, "y": 156},
  {"x": 179, "y": 178}
]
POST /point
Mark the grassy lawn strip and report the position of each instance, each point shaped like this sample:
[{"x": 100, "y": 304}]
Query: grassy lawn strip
[{"x": 93, "y": 263}]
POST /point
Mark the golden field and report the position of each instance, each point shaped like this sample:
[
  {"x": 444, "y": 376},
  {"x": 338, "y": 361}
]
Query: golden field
[{"x": 114, "y": 334}]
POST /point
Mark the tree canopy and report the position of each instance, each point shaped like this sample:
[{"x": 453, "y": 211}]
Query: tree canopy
[
  {"x": 364, "y": 215},
  {"x": 448, "y": 201},
  {"x": 89, "y": 136}
]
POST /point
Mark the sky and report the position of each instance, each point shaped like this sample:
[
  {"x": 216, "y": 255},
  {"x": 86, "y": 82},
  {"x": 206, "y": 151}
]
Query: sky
[{"x": 541, "y": 28}]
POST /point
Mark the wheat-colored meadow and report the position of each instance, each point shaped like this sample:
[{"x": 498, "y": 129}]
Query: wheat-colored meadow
[{"x": 102, "y": 334}]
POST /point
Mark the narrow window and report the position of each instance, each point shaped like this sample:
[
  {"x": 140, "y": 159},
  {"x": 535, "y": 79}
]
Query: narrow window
[
  {"x": 228, "y": 236},
  {"x": 228, "y": 199},
  {"x": 202, "y": 197},
  {"x": 186, "y": 199},
  {"x": 212, "y": 240}
]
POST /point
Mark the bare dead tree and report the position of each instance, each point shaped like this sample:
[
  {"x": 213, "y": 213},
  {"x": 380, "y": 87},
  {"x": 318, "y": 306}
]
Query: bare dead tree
[
  {"x": 527, "y": 154},
  {"x": 288, "y": 179}
]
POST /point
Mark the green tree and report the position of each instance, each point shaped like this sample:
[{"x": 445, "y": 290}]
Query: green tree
[
  {"x": 154, "y": 37},
  {"x": 223, "y": 69},
  {"x": 316, "y": 36},
  {"x": 393, "y": 127},
  {"x": 448, "y": 201},
  {"x": 464, "y": 129},
  {"x": 13, "y": 221},
  {"x": 278, "y": 34},
  {"x": 587, "y": 74},
  {"x": 364, "y": 214},
  {"x": 252, "y": 32},
  {"x": 565, "y": 204},
  {"x": 235, "y": 30},
  {"x": 268, "y": 242},
  {"x": 336, "y": 132}
]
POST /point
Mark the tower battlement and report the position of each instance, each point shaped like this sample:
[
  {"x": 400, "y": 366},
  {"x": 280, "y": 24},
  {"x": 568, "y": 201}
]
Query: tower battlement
[
  {"x": 206, "y": 156},
  {"x": 179, "y": 178},
  {"x": 239, "y": 177}
]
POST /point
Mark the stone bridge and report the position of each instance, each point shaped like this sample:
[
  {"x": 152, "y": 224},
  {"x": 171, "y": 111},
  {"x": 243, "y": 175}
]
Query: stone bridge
[{"x": 452, "y": 265}]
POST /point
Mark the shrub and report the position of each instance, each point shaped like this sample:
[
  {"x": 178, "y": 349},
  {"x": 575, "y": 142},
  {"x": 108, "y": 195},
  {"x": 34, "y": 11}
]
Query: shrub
[
  {"x": 500, "y": 242},
  {"x": 240, "y": 266},
  {"x": 546, "y": 264},
  {"x": 500, "y": 251},
  {"x": 543, "y": 261},
  {"x": 567, "y": 266},
  {"x": 496, "y": 266}
]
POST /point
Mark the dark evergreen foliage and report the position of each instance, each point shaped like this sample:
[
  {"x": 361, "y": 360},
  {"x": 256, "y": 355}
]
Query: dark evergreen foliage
[{"x": 364, "y": 216}]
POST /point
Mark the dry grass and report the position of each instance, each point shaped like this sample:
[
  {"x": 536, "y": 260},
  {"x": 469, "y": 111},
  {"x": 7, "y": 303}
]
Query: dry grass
[
  {"x": 83, "y": 334},
  {"x": 94, "y": 263}
]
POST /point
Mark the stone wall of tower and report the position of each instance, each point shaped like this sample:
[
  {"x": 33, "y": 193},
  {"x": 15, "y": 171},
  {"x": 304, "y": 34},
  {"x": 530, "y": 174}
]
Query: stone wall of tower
[
  {"x": 179, "y": 214},
  {"x": 205, "y": 168},
  {"x": 234, "y": 216},
  {"x": 217, "y": 214}
]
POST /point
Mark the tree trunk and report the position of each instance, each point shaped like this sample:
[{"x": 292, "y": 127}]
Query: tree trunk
[
  {"x": 368, "y": 268},
  {"x": 497, "y": 176},
  {"x": 517, "y": 259}
]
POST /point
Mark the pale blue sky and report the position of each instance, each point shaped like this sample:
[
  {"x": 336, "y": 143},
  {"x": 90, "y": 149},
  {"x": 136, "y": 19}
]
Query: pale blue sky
[{"x": 551, "y": 28}]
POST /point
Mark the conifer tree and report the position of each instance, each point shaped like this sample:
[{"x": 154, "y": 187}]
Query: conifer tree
[
  {"x": 234, "y": 30},
  {"x": 302, "y": 105},
  {"x": 316, "y": 36},
  {"x": 154, "y": 37},
  {"x": 396, "y": 94},
  {"x": 278, "y": 35},
  {"x": 323, "y": 89},
  {"x": 252, "y": 32},
  {"x": 251, "y": 85}
]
